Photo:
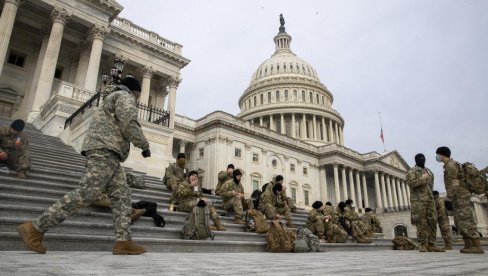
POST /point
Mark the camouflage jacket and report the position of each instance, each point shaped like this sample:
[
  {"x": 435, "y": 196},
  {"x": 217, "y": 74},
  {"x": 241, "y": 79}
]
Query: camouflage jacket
[
  {"x": 175, "y": 173},
  {"x": 452, "y": 180},
  {"x": 222, "y": 177},
  {"x": 7, "y": 141},
  {"x": 420, "y": 188},
  {"x": 441, "y": 208},
  {"x": 313, "y": 216},
  {"x": 351, "y": 214},
  {"x": 371, "y": 219},
  {"x": 270, "y": 185},
  {"x": 185, "y": 192},
  {"x": 228, "y": 187},
  {"x": 114, "y": 125},
  {"x": 269, "y": 198}
]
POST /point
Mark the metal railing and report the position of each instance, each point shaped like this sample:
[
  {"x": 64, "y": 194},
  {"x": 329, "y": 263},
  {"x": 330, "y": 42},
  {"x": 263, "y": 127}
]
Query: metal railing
[{"x": 145, "y": 113}]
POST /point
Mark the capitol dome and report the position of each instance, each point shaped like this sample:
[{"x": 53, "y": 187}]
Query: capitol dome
[{"x": 286, "y": 95}]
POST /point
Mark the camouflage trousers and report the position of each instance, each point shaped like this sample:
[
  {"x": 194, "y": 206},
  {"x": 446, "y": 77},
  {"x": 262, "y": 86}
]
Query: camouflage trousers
[
  {"x": 103, "y": 174},
  {"x": 20, "y": 159},
  {"x": 445, "y": 228},
  {"x": 359, "y": 228},
  {"x": 424, "y": 218},
  {"x": 236, "y": 205},
  {"x": 187, "y": 206},
  {"x": 317, "y": 228},
  {"x": 335, "y": 233},
  {"x": 270, "y": 211},
  {"x": 463, "y": 216}
]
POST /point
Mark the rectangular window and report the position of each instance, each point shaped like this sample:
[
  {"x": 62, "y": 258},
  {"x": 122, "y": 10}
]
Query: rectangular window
[
  {"x": 262, "y": 99},
  {"x": 249, "y": 103},
  {"x": 200, "y": 152},
  {"x": 255, "y": 101},
  {"x": 58, "y": 74},
  {"x": 286, "y": 95},
  {"x": 255, "y": 157},
  {"x": 277, "y": 96},
  {"x": 295, "y": 95},
  {"x": 317, "y": 98},
  {"x": 305, "y": 171},
  {"x": 237, "y": 153},
  {"x": 305, "y": 194},
  {"x": 294, "y": 194},
  {"x": 292, "y": 168},
  {"x": 16, "y": 58},
  {"x": 310, "y": 97},
  {"x": 269, "y": 97},
  {"x": 303, "y": 96},
  {"x": 255, "y": 185}
]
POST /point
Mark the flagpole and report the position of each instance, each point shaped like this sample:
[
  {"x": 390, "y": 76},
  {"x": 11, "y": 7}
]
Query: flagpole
[{"x": 382, "y": 137}]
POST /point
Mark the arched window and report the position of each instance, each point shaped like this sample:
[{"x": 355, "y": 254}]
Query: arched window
[
  {"x": 303, "y": 96},
  {"x": 401, "y": 230},
  {"x": 249, "y": 103},
  {"x": 261, "y": 98},
  {"x": 255, "y": 101},
  {"x": 310, "y": 98},
  {"x": 286, "y": 95},
  {"x": 277, "y": 95},
  {"x": 269, "y": 97}
]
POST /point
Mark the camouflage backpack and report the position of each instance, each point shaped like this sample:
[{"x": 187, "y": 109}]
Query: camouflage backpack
[
  {"x": 310, "y": 239},
  {"x": 474, "y": 180},
  {"x": 196, "y": 226},
  {"x": 256, "y": 222},
  {"x": 279, "y": 240},
  {"x": 404, "y": 243},
  {"x": 135, "y": 181}
]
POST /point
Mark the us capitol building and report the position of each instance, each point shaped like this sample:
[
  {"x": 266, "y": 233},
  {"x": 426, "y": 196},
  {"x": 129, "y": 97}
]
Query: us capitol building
[{"x": 56, "y": 55}]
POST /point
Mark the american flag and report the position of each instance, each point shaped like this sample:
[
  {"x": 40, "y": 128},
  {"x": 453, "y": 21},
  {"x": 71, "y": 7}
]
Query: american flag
[{"x": 382, "y": 136}]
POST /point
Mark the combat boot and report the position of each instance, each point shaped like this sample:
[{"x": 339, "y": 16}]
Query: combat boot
[
  {"x": 448, "y": 245},
  {"x": 289, "y": 224},
  {"x": 136, "y": 214},
  {"x": 475, "y": 247},
  {"x": 433, "y": 248},
  {"x": 127, "y": 248},
  {"x": 362, "y": 240},
  {"x": 239, "y": 221},
  {"x": 31, "y": 237},
  {"x": 218, "y": 225},
  {"x": 422, "y": 248},
  {"x": 322, "y": 239},
  {"x": 467, "y": 245}
]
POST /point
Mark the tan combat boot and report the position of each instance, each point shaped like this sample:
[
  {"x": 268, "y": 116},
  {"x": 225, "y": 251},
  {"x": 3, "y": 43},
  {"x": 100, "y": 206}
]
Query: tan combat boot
[
  {"x": 362, "y": 240},
  {"x": 423, "y": 248},
  {"x": 467, "y": 245},
  {"x": 475, "y": 247},
  {"x": 218, "y": 225},
  {"x": 127, "y": 248},
  {"x": 433, "y": 248},
  {"x": 31, "y": 237},
  {"x": 321, "y": 239},
  {"x": 448, "y": 245},
  {"x": 136, "y": 214},
  {"x": 239, "y": 221}
]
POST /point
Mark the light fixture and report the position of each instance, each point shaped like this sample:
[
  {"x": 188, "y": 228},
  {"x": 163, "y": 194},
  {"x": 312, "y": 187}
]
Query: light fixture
[
  {"x": 119, "y": 64},
  {"x": 105, "y": 78}
]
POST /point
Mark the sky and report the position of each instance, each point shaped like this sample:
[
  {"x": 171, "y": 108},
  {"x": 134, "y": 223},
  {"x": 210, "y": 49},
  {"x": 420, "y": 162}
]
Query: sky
[{"x": 422, "y": 63}]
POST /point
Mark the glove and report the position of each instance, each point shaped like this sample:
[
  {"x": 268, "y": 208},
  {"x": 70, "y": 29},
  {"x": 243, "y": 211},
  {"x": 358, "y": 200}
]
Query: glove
[{"x": 146, "y": 153}]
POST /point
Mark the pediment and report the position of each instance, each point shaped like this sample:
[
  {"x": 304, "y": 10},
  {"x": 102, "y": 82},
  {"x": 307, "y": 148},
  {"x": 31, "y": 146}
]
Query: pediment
[{"x": 394, "y": 159}]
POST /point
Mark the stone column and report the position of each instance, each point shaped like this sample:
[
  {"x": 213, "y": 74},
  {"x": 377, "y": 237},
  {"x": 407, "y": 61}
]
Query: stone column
[
  {"x": 7, "y": 20},
  {"x": 331, "y": 132},
  {"x": 261, "y": 121},
  {"x": 344, "y": 184},
  {"x": 303, "y": 131},
  {"x": 173, "y": 84},
  {"x": 383, "y": 191},
  {"x": 293, "y": 126},
  {"x": 365, "y": 190},
  {"x": 323, "y": 184},
  {"x": 314, "y": 124},
  {"x": 400, "y": 195},
  {"x": 324, "y": 130},
  {"x": 395, "y": 197},
  {"x": 271, "y": 122},
  {"x": 147, "y": 73},
  {"x": 341, "y": 131},
  {"x": 282, "y": 124},
  {"x": 379, "y": 204},
  {"x": 336, "y": 184},
  {"x": 60, "y": 17},
  {"x": 351, "y": 186},
  {"x": 85, "y": 50},
  {"x": 407, "y": 188},
  {"x": 98, "y": 34},
  {"x": 390, "y": 197},
  {"x": 182, "y": 146},
  {"x": 336, "y": 138},
  {"x": 360, "y": 195},
  {"x": 404, "y": 193},
  {"x": 164, "y": 94}
]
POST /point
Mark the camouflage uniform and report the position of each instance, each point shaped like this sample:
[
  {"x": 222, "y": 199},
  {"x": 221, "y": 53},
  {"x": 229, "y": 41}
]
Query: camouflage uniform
[
  {"x": 372, "y": 221},
  {"x": 443, "y": 220},
  {"x": 460, "y": 197},
  {"x": 107, "y": 143},
  {"x": 222, "y": 177},
  {"x": 18, "y": 155},
  {"x": 270, "y": 204},
  {"x": 358, "y": 226},
  {"x": 422, "y": 204},
  {"x": 334, "y": 231},
  {"x": 233, "y": 202},
  {"x": 316, "y": 223},
  {"x": 291, "y": 203},
  {"x": 174, "y": 175},
  {"x": 186, "y": 199}
]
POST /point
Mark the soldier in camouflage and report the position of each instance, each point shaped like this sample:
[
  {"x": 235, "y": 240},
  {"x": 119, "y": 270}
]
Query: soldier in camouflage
[
  {"x": 232, "y": 193},
  {"x": 443, "y": 220},
  {"x": 273, "y": 206},
  {"x": 372, "y": 221},
  {"x": 107, "y": 144},
  {"x": 353, "y": 217},
  {"x": 175, "y": 173},
  {"x": 461, "y": 201},
  {"x": 423, "y": 215},
  {"x": 288, "y": 200},
  {"x": 349, "y": 220},
  {"x": 317, "y": 221},
  {"x": 224, "y": 176},
  {"x": 189, "y": 193},
  {"x": 333, "y": 230},
  {"x": 14, "y": 147}
]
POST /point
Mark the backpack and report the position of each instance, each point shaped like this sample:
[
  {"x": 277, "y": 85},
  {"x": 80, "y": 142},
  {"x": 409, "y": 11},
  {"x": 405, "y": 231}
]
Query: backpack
[
  {"x": 135, "y": 181},
  {"x": 404, "y": 243},
  {"x": 279, "y": 240},
  {"x": 309, "y": 238},
  {"x": 255, "y": 196},
  {"x": 151, "y": 211},
  {"x": 256, "y": 222},
  {"x": 196, "y": 226},
  {"x": 474, "y": 180}
]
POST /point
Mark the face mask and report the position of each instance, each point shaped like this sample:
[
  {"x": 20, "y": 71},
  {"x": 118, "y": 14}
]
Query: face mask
[
  {"x": 181, "y": 162},
  {"x": 438, "y": 158}
]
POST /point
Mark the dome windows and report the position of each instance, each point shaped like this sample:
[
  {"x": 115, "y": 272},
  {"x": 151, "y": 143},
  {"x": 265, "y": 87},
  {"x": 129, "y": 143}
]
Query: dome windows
[{"x": 277, "y": 95}]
